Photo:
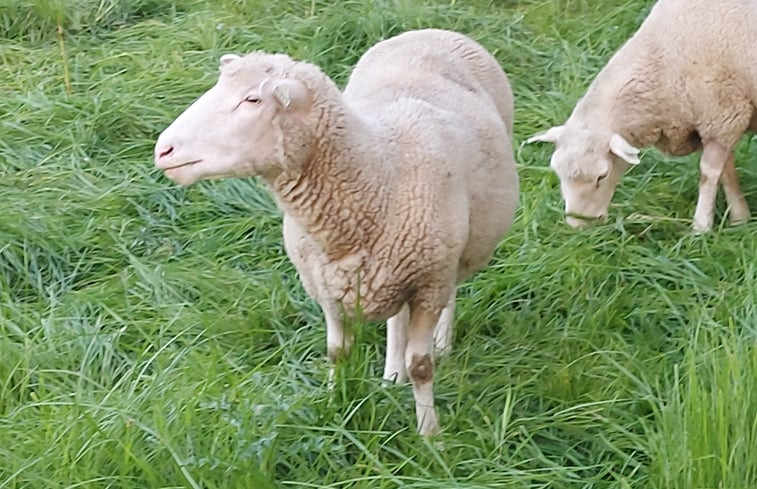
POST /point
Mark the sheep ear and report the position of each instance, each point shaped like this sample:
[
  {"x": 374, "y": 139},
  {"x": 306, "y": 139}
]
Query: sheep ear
[
  {"x": 623, "y": 149},
  {"x": 290, "y": 93},
  {"x": 228, "y": 58},
  {"x": 549, "y": 136}
]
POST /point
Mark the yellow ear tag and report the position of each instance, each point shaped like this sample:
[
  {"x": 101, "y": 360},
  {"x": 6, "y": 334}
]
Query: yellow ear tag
[{"x": 282, "y": 95}]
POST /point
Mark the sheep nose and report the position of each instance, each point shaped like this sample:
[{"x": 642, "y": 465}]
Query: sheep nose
[
  {"x": 576, "y": 223},
  {"x": 162, "y": 151}
]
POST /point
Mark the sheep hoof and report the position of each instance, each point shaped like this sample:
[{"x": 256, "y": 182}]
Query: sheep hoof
[
  {"x": 701, "y": 227},
  {"x": 739, "y": 218},
  {"x": 393, "y": 378},
  {"x": 429, "y": 426}
]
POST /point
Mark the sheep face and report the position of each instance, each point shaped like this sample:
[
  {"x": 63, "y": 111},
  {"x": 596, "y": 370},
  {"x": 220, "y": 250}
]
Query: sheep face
[
  {"x": 589, "y": 165},
  {"x": 234, "y": 129}
]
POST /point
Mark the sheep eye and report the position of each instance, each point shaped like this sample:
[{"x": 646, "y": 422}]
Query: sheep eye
[{"x": 253, "y": 99}]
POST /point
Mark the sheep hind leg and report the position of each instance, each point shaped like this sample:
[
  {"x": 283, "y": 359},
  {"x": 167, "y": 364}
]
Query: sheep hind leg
[
  {"x": 737, "y": 207},
  {"x": 419, "y": 361},
  {"x": 396, "y": 342},
  {"x": 338, "y": 343},
  {"x": 711, "y": 165},
  {"x": 444, "y": 328}
]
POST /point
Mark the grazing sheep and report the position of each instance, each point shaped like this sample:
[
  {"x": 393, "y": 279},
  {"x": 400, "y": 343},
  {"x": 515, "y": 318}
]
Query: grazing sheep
[
  {"x": 686, "y": 81},
  {"x": 392, "y": 192}
]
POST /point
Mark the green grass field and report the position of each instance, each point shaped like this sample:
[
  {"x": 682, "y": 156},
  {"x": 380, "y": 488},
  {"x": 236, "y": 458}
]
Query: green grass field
[{"x": 158, "y": 337}]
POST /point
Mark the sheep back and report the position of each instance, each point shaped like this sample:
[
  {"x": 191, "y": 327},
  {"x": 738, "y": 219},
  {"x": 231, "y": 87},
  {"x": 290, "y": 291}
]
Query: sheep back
[{"x": 688, "y": 74}]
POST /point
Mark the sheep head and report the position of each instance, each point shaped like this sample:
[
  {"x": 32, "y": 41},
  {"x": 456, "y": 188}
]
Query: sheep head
[
  {"x": 241, "y": 127},
  {"x": 589, "y": 164}
]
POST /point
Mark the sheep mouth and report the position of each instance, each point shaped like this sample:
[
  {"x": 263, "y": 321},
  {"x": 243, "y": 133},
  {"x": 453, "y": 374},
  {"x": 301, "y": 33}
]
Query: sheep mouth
[
  {"x": 181, "y": 165},
  {"x": 585, "y": 217},
  {"x": 576, "y": 220}
]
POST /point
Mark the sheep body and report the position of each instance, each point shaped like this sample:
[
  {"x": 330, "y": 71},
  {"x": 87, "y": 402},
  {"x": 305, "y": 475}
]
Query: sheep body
[
  {"x": 392, "y": 192},
  {"x": 437, "y": 217},
  {"x": 685, "y": 81}
]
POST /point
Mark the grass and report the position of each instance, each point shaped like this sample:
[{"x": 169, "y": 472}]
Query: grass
[{"x": 152, "y": 336}]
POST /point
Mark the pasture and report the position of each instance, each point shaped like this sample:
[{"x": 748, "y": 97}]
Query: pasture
[{"x": 157, "y": 337}]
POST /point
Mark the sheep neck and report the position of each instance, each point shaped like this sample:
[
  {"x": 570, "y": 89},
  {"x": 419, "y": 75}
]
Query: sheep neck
[
  {"x": 338, "y": 196},
  {"x": 625, "y": 94}
]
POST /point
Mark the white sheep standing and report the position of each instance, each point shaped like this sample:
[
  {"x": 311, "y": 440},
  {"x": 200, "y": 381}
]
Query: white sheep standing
[
  {"x": 392, "y": 192},
  {"x": 686, "y": 81}
]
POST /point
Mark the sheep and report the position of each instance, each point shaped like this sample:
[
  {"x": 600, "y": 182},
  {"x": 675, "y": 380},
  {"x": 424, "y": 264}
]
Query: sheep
[
  {"x": 685, "y": 81},
  {"x": 392, "y": 191}
]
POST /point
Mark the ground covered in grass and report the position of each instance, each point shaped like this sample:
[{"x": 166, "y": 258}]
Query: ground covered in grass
[{"x": 152, "y": 336}]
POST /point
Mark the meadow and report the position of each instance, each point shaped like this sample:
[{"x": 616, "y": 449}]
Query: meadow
[{"x": 157, "y": 337}]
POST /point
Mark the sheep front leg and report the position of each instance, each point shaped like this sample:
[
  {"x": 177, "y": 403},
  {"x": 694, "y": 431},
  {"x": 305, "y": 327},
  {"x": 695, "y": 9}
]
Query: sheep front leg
[
  {"x": 737, "y": 206},
  {"x": 711, "y": 165},
  {"x": 396, "y": 342},
  {"x": 338, "y": 343},
  {"x": 419, "y": 361},
  {"x": 444, "y": 328}
]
